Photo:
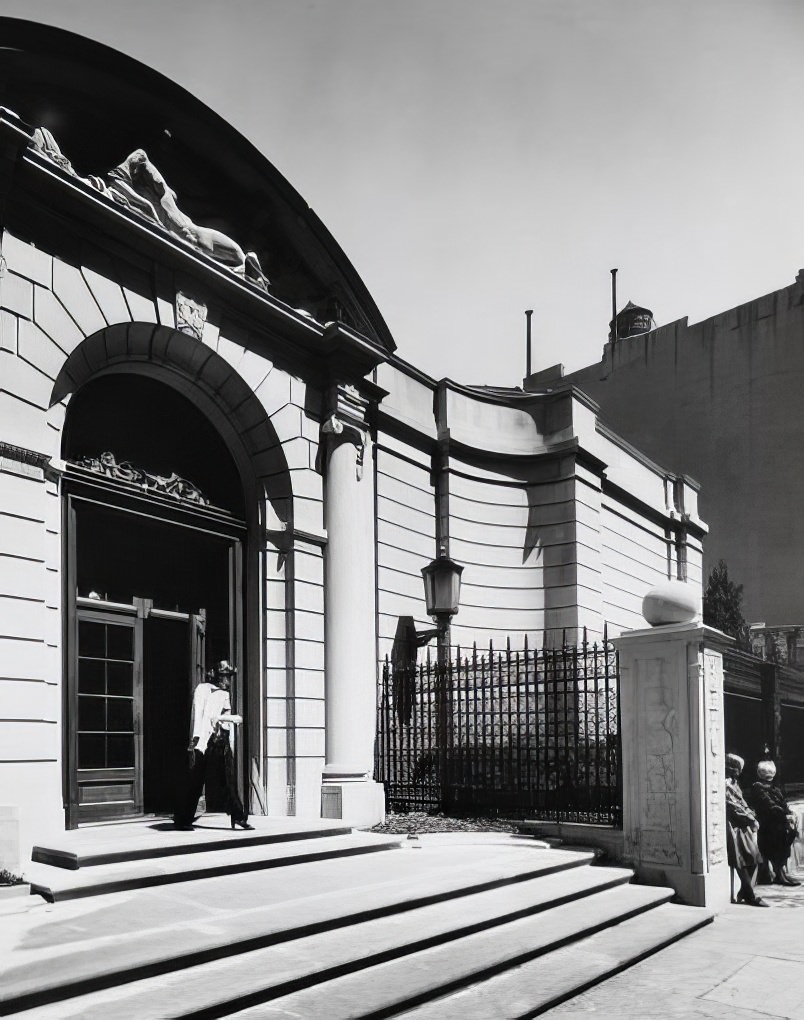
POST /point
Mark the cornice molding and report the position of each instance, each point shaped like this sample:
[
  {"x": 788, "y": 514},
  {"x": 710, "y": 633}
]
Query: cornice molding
[
  {"x": 327, "y": 350},
  {"x": 21, "y": 457}
]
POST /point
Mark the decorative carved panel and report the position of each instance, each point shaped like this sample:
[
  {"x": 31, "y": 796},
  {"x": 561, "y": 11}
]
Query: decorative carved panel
[
  {"x": 191, "y": 315},
  {"x": 165, "y": 485}
]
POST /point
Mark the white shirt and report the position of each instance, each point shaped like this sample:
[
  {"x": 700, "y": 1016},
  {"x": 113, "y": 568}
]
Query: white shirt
[{"x": 211, "y": 706}]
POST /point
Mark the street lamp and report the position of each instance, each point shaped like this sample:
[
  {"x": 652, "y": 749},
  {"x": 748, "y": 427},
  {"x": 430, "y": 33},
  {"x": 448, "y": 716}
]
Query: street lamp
[
  {"x": 442, "y": 589},
  {"x": 442, "y": 593}
]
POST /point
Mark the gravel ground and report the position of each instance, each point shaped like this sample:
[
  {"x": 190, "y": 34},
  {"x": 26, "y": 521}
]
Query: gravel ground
[{"x": 420, "y": 822}]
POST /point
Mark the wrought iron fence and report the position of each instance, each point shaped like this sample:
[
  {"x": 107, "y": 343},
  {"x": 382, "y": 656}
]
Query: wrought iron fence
[{"x": 529, "y": 733}]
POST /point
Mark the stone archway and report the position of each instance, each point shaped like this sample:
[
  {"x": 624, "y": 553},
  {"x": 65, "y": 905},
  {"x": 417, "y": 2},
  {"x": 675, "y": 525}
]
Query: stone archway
[
  {"x": 208, "y": 380},
  {"x": 216, "y": 391}
]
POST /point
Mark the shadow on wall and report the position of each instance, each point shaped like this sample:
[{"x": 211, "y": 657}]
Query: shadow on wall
[
  {"x": 533, "y": 542},
  {"x": 404, "y": 654}
]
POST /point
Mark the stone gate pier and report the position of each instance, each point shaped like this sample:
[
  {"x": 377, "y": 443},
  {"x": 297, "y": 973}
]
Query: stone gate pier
[{"x": 671, "y": 704}]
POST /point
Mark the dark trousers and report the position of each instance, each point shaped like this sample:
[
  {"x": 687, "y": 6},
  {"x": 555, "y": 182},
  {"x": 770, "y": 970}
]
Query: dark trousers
[{"x": 215, "y": 770}]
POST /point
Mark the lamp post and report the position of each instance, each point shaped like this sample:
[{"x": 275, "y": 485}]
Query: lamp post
[{"x": 442, "y": 593}]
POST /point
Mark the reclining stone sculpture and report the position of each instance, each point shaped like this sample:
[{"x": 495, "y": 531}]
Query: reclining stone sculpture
[{"x": 138, "y": 185}]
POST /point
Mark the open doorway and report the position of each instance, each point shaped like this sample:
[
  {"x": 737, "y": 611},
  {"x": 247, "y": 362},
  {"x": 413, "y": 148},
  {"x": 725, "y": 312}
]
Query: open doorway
[{"x": 154, "y": 591}]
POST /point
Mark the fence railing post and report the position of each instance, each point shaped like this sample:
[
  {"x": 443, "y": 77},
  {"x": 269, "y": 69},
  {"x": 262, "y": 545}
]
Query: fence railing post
[{"x": 531, "y": 733}]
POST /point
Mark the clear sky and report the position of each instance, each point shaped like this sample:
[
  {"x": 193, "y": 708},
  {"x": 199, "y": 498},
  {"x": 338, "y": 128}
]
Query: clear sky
[{"x": 475, "y": 158}]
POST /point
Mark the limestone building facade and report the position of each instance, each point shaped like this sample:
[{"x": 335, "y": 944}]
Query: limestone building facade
[{"x": 210, "y": 448}]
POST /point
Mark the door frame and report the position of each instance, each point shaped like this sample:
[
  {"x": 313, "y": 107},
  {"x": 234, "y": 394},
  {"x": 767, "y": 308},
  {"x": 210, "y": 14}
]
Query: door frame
[
  {"x": 117, "y": 614},
  {"x": 80, "y": 490}
]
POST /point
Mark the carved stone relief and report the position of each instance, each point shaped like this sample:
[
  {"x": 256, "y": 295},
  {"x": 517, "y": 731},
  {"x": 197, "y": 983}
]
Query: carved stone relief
[
  {"x": 659, "y": 822},
  {"x": 137, "y": 185},
  {"x": 715, "y": 764},
  {"x": 191, "y": 315},
  {"x": 124, "y": 471}
]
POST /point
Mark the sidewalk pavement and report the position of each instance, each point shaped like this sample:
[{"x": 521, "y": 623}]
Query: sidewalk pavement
[{"x": 747, "y": 965}]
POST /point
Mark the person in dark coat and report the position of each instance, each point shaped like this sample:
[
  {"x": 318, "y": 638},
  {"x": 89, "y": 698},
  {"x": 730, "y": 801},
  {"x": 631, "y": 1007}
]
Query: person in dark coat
[
  {"x": 777, "y": 823},
  {"x": 741, "y": 825}
]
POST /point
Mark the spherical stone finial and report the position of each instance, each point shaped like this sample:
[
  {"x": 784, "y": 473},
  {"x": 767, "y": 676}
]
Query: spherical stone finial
[{"x": 672, "y": 602}]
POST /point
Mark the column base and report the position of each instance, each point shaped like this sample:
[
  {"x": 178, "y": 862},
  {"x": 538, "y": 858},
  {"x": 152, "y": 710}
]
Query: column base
[
  {"x": 710, "y": 890},
  {"x": 358, "y": 802}
]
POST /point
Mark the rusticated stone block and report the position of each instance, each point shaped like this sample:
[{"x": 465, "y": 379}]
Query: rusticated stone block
[
  {"x": 26, "y": 260},
  {"x": 309, "y": 712},
  {"x": 22, "y": 659},
  {"x": 21, "y": 578},
  {"x": 230, "y": 351},
  {"x": 295, "y": 449},
  {"x": 274, "y": 391},
  {"x": 166, "y": 312},
  {"x": 309, "y": 626},
  {"x": 109, "y": 296},
  {"x": 310, "y": 684},
  {"x": 308, "y": 515},
  {"x": 39, "y": 350},
  {"x": 21, "y": 618},
  {"x": 29, "y": 741},
  {"x": 26, "y": 426},
  {"x": 16, "y": 295},
  {"x": 8, "y": 332},
  {"x": 27, "y": 700},
  {"x": 142, "y": 308},
  {"x": 253, "y": 369},
  {"x": 21, "y": 379},
  {"x": 71, "y": 289},
  {"x": 19, "y": 536},
  {"x": 309, "y": 743},
  {"x": 276, "y": 712},
  {"x": 51, "y": 316}
]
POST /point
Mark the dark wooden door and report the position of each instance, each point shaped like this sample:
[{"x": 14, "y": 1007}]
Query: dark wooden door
[{"x": 173, "y": 663}]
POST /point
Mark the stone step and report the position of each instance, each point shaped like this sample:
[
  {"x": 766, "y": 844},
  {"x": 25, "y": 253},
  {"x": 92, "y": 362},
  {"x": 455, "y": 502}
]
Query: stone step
[
  {"x": 415, "y": 952},
  {"x": 148, "y": 838},
  {"x": 81, "y": 946},
  {"x": 541, "y": 984},
  {"x": 207, "y": 860}
]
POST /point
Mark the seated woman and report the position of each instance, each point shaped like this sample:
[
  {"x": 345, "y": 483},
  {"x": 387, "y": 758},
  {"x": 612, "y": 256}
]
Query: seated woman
[
  {"x": 777, "y": 823},
  {"x": 741, "y": 824}
]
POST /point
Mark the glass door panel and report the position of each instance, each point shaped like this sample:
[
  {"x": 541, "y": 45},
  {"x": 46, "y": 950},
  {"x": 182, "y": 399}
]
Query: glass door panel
[{"x": 108, "y": 695}]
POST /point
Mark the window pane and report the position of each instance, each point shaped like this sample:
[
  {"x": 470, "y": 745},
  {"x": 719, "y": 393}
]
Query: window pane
[
  {"x": 91, "y": 751},
  {"x": 91, "y": 713},
  {"x": 120, "y": 714},
  {"x": 91, "y": 676},
  {"x": 91, "y": 639},
  {"x": 120, "y": 751},
  {"x": 120, "y": 678},
  {"x": 119, "y": 642}
]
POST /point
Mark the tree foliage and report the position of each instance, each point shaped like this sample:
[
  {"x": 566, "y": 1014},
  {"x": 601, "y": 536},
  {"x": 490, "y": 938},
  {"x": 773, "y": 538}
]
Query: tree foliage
[{"x": 723, "y": 604}]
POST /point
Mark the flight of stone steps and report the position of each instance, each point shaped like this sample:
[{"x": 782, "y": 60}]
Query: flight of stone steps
[{"x": 317, "y": 921}]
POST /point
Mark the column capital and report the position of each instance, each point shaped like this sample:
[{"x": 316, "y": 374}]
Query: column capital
[
  {"x": 335, "y": 431},
  {"x": 346, "y": 422},
  {"x": 348, "y": 404}
]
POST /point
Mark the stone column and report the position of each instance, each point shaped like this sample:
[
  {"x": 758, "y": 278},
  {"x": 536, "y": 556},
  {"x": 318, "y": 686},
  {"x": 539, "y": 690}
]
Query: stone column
[
  {"x": 348, "y": 790},
  {"x": 671, "y": 710}
]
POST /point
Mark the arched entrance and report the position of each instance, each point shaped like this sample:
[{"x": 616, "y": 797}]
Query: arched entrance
[
  {"x": 156, "y": 530},
  {"x": 176, "y": 496},
  {"x": 156, "y": 534}
]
